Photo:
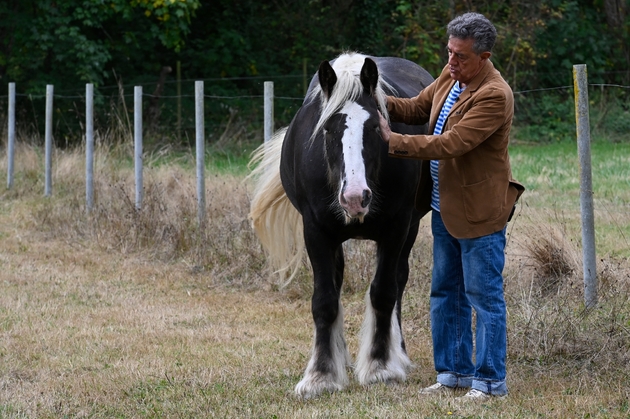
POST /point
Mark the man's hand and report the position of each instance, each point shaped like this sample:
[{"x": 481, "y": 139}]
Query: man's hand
[{"x": 386, "y": 132}]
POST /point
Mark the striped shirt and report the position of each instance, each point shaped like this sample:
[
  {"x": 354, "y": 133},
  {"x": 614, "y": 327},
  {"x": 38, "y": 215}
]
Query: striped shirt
[{"x": 446, "y": 108}]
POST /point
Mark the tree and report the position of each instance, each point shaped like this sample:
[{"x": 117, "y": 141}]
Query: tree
[{"x": 62, "y": 41}]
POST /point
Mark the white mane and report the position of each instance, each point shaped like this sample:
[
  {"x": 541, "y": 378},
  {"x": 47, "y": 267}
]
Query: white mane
[{"x": 347, "y": 88}]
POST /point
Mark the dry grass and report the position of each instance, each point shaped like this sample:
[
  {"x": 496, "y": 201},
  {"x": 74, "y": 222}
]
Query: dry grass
[{"x": 136, "y": 313}]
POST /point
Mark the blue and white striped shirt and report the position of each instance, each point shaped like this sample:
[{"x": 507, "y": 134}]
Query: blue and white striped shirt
[{"x": 448, "y": 104}]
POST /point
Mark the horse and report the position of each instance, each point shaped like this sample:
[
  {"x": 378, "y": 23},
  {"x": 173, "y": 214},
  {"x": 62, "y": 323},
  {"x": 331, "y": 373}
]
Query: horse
[{"x": 327, "y": 178}]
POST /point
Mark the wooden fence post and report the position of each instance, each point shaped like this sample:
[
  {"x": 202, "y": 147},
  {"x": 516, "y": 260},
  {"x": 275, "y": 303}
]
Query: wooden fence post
[
  {"x": 89, "y": 147},
  {"x": 268, "y": 110},
  {"x": 48, "y": 140},
  {"x": 11, "y": 136},
  {"x": 580, "y": 85},
  {"x": 201, "y": 154},
  {"x": 137, "y": 136}
]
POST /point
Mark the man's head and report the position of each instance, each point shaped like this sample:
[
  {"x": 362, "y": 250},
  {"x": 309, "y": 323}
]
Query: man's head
[{"x": 471, "y": 37}]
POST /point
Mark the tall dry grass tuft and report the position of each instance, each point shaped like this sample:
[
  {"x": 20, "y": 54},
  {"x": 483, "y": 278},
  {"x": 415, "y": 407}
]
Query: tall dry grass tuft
[
  {"x": 553, "y": 258},
  {"x": 165, "y": 227},
  {"x": 551, "y": 331}
]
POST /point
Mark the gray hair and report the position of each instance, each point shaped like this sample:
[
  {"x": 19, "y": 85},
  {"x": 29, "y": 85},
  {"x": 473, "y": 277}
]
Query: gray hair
[{"x": 475, "y": 26}]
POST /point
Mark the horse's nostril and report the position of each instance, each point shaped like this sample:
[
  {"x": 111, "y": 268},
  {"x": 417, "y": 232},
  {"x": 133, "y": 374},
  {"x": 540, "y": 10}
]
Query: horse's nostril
[{"x": 367, "y": 198}]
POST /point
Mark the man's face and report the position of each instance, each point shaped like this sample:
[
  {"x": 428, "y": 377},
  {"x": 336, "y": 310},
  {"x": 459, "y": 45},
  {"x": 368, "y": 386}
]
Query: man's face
[{"x": 463, "y": 62}]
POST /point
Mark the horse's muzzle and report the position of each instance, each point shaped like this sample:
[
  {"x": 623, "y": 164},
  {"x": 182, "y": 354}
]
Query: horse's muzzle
[{"x": 355, "y": 202}]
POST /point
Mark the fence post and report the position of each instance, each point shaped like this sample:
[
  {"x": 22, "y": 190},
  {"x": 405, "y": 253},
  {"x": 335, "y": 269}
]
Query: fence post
[
  {"x": 89, "y": 147},
  {"x": 11, "y": 136},
  {"x": 304, "y": 76},
  {"x": 201, "y": 153},
  {"x": 48, "y": 140},
  {"x": 268, "y": 110},
  {"x": 137, "y": 136},
  {"x": 179, "y": 102},
  {"x": 580, "y": 85}
]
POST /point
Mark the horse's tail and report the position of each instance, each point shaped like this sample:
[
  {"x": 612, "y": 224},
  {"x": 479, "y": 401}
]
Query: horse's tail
[{"x": 277, "y": 223}]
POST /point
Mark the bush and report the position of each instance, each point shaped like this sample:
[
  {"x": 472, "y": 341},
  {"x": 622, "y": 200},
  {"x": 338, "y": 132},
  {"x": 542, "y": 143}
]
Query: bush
[{"x": 546, "y": 117}]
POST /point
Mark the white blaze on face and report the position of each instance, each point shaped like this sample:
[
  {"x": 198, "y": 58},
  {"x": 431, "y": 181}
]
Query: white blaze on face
[{"x": 354, "y": 188}]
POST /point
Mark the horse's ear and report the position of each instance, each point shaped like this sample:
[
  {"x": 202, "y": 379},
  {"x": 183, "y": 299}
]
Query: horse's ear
[
  {"x": 327, "y": 78},
  {"x": 369, "y": 76}
]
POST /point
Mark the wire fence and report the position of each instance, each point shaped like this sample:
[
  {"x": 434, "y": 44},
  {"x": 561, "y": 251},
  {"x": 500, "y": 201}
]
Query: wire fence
[
  {"x": 195, "y": 109},
  {"x": 169, "y": 113},
  {"x": 166, "y": 107},
  {"x": 232, "y": 103}
]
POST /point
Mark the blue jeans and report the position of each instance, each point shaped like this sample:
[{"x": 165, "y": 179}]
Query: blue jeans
[{"x": 467, "y": 274}]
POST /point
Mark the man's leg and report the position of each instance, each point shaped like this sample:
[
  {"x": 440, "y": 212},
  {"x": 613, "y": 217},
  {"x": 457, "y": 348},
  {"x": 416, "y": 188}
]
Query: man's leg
[
  {"x": 451, "y": 314},
  {"x": 483, "y": 261}
]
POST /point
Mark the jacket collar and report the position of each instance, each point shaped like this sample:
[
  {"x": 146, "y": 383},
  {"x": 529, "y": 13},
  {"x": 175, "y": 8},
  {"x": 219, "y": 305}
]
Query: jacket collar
[
  {"x": 474, "y": 84},
  {"x": 479, "y": 78}
]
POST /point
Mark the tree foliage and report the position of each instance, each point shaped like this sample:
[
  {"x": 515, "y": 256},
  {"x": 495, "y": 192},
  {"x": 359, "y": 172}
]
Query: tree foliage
[{"x": 64, "y": 42}]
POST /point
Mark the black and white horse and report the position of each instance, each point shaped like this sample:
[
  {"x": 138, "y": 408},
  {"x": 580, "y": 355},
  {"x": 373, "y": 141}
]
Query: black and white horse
[{"x": 332, "y": 166}]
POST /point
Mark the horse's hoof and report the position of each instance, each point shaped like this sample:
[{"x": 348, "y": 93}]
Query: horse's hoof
[
  {"x": 313, "y": 385},
  {"x": 374, "y": 371},
  {"x": 386, "y": 376}
]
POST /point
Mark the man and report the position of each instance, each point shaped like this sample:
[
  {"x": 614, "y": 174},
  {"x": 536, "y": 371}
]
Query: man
[{"x": 471, "y": 193}]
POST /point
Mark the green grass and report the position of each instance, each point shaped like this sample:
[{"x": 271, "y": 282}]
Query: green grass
[
  {"x": 551, "y": 174},
  {"x": 553, "y": 171}
]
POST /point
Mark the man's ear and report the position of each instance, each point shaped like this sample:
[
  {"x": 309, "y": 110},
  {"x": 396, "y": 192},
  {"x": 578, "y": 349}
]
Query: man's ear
[{"x": 485, "y": 55}]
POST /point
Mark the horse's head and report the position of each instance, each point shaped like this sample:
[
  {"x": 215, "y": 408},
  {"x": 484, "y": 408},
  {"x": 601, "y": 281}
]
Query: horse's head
[{"x": 352, "y": 141}]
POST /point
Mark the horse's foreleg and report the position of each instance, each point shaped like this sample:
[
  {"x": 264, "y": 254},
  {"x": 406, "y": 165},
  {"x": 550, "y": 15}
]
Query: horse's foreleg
[
  {"x": 402, "y": 270},
  {"x": 382, "y": 356},
  {"x": 326, "y": 370}
]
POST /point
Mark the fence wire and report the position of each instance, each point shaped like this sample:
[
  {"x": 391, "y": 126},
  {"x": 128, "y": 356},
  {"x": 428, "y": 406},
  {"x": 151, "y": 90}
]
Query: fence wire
[{"x": 234, "y": 102}]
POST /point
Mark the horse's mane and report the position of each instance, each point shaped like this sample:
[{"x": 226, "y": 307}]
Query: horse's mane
[{"x": 348, "y": 87}]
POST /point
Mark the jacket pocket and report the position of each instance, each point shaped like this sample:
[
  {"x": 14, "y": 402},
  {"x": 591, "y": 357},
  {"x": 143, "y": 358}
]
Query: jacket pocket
[
  {"x": 481, "y": 202},
  {"x": 452, "y": 120}
]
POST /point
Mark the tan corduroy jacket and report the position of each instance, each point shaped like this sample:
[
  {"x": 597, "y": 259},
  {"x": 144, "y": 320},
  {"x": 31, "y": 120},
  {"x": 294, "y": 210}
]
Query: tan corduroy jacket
[{"x": 477, "y": 191}]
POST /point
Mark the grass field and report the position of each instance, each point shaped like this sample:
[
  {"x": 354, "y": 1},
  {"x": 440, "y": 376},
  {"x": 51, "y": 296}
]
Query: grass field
[{"x": 138, "y": 314}]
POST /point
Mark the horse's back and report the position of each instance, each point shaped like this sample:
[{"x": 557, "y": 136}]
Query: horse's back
[{"x": 407, "y": 77}]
